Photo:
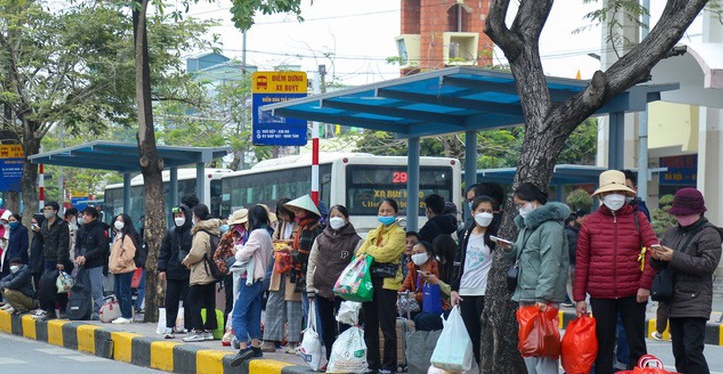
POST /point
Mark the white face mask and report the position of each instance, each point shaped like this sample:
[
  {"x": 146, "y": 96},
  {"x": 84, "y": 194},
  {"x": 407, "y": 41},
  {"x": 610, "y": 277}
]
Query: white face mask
[
  {"x": 614, "y": 201},
  {"x": 419, "y": 258},
  {"x": 179, "y": 221},
  {"x": 118, "y": 225},
  {"x": 526, "y": 210},
  {"x": 483, "y": 219},
  {"x": 49, "y": 215},
  {"x": 14, "y": 268},
  {"x": 337, "y": 222}
]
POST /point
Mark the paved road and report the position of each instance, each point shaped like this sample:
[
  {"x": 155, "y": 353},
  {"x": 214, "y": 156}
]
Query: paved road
[
  {"x": 663, "y": 350},
  {"x": 21, "y": 355}
]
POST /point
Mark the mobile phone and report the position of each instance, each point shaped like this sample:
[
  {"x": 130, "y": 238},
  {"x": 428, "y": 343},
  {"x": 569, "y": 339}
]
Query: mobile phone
[
  {"x": 497, "y": 239},
  {"x": 656, "y": 247}
]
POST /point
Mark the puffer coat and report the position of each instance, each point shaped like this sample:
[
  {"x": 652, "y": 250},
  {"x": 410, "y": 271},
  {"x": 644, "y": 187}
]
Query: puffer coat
[
  {"x": 607, "y": 260},
  {"x": 692, "y": 267}
]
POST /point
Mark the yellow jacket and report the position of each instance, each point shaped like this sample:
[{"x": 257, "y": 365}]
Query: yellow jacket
[{"x": 390, "y": 250}]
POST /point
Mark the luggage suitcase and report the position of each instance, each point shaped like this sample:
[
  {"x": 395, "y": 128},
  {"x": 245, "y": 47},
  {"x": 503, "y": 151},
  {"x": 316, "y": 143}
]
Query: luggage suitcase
[
  {"x": 404, "y": 326},
  {"x": 110, "y": 309}
]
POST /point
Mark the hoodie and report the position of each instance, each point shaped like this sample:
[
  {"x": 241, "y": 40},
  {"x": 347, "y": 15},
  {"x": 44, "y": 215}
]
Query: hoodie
[
  {"x": 443, "y": 224},
  {"x": 176, "y": 245}
]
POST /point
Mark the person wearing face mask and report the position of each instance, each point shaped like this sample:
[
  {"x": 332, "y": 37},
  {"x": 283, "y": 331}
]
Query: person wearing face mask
[
  {"x": 470, "y": 283},
  {"x": 385, "y": 244},
  {"x": 17, "y": 288},
  {"x": 121, "y": 264},
  {"x": 57, "y": 258},
  {"x": 424, "y": 269},
  {"x": 610, "y": 267},
  {"x": 412, "y": 238},
  {"x": 234, "y": 236},
  {"x": 542, "y": 255},
  {"x": 91, "y": 252},
  {"x": 332, "y": 251},
  {"x": 692, "y": 250},
  {"x": 18, "y": 243},
  {"x": 174, "y": 248},
  {"x": 4, "y": 242}
]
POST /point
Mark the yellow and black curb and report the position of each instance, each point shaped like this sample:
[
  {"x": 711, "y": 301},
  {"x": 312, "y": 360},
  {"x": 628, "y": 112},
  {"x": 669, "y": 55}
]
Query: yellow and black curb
[
  {"x": 713, "y": 331},
  {"x": 138, "y": 350}
]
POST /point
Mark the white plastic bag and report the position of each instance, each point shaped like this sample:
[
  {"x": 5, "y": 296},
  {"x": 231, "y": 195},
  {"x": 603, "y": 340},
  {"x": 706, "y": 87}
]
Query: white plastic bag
[
  {"x": 310, "y": 349},
  {"x": 180, "y": 320},
  {"x": 161, "y": 328},
  {"x": 349, "y": 312},
  {"x": 349, "y": 352},
  {"x": 454, "y": 347}
]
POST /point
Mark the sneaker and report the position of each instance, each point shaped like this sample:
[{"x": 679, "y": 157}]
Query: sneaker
[
  {"x": 194, "y": 336},
  {"x": 10, "y": 310},
  {"x": 268, "y": 347},
  {"x": 384, "y": 371},
  {"x": 6, "y": 306},
  {"x": 181, "y": 331},
  {"x": 245, "y": 354},
  {"x": 40, "y": 315},
  {"x": 567, "y": 305},
  {"x": 656, "y": 335},
  {"x": 169, "y": 333},
  {"x": 121, "y": 321},
  {"x": 292, "y": 348},
  {"x": 207, "y": 335}
]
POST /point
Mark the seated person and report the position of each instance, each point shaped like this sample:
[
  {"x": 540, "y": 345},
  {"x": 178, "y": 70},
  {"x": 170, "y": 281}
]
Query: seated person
[
  {"x": 17, "y": 288},
  {"x": 424, "y": 269}
]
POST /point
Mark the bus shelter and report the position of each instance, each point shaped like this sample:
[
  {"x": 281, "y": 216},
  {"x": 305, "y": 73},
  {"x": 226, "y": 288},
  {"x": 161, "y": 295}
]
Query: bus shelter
[
  {"x": 450, "y": 100},
  {"x": 124, "y": 158}
]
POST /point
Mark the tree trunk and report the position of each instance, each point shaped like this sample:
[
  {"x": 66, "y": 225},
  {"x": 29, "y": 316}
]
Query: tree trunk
[
  {"x": 28, "y": 183},
  {"x": 151, "y": 164}
]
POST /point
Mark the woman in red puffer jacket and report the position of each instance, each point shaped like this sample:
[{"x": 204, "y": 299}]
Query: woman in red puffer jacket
[{"x": 613, "y": 270}]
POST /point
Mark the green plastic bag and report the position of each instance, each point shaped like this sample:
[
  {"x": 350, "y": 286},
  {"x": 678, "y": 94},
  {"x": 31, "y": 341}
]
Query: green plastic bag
[
  {"x": 355, "y": 282},
  {"x": 218, "y": 332}
]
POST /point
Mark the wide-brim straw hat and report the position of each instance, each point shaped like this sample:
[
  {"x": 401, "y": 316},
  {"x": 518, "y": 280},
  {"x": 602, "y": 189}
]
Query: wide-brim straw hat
[
  {"x": 239, "y": 217},
  {"x": 305, "y": 203},
  {"x": 613, "y": 181}
]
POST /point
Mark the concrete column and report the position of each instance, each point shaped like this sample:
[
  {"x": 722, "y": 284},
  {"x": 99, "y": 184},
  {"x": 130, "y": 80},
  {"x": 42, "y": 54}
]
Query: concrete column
[
  {"x": 173, "y": 186},
  {"x": 200, "y": 190},
  {"x": 126, "y": 193},
  {"x": 413, "y": 184},
  {"x": 710, "y": 176}
]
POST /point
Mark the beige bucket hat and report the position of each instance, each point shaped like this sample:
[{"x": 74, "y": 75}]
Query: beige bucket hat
[
  {"x": 239, "y": 217},
  {"x": 304, "y": 202},
  {"x": 613, "y": 180}
]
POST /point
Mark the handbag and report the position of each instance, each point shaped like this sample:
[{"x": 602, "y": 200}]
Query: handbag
[
  {"x": 432, "y": 299},
  {"x": 384, "y": 270},
  {"x": 110, "y": 309},
  {"x": 662, "y": 289},
  {"x": 512, "y": 273}
]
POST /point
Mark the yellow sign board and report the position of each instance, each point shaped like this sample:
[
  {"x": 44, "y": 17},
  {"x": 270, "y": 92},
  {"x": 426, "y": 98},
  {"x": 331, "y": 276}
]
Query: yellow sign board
[
  {"x": 11, "y": 151},
  {"x": 279, "y": 82}
]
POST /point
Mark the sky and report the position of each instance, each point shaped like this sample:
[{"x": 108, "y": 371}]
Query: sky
[{"x": 353, "y": 38}]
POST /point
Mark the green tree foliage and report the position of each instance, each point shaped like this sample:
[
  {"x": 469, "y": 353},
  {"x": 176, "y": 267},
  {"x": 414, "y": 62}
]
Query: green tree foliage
[
  {"x": 579, "y": 199},
  {"x": 661, "y": 219}
]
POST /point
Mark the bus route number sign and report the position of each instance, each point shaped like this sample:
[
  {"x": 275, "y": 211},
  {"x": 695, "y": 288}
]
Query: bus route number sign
[{"x": 274, "y": 87}]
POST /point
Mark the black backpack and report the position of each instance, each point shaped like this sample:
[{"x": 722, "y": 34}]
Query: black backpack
[
  {"x": 211, "y": 267},
  {"x": 80, "y": 302},
  {"x": 141, "y": 255}
]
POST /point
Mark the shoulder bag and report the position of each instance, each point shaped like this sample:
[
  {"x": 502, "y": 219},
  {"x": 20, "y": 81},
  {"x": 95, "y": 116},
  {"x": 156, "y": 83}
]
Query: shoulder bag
[{"x": 663, "y": 287}]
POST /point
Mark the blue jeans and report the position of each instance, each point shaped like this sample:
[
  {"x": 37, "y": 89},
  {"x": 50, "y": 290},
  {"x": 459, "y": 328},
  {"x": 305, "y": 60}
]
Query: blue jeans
[
  {"x": 96, "y": 288},
  {"x": 123, "y": 293},
  {"x": 246, "y": 318}
]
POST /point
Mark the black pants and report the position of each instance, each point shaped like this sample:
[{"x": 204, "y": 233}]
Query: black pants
[
  {"x": 329, "y": 327},
  {"x": 381, "y": 312},
  {"x": 632, "y": 314},
  {"x": 688, "y": 335},
  {"x": 228, "y": 288},
  {"x": 202, "y": 295},
  {"x": 176, "y": 290},
  {"x": 471, "y": 308}
]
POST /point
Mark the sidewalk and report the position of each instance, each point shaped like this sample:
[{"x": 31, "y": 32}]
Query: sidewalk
[{"x": 138, "y": 344}]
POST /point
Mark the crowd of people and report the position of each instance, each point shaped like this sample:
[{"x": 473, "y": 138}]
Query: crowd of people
[{"x": 286, "y": 260}]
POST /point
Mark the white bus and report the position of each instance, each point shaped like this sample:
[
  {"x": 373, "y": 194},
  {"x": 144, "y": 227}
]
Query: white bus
[
  {"x": 356, "y": 180},
  {"x": 113, "y": 204}
]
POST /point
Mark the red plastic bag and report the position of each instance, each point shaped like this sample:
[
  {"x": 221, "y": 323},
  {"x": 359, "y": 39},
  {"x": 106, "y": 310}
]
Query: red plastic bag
[
  {"x": 579, "y": 346},
  {"x": 538, "y": 334},
  {"x": 648, "y": 364},
  {"x": 282, "y": 262}
]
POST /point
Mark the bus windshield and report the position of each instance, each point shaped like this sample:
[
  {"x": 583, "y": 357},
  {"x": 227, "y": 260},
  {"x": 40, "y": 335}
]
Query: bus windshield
[{"x": 367, "y": 185}]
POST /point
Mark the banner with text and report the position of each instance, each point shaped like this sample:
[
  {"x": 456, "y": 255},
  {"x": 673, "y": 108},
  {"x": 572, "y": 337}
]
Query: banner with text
[
  {"x": 269, "y": 87},
  {"x": 11, "y": 167}
]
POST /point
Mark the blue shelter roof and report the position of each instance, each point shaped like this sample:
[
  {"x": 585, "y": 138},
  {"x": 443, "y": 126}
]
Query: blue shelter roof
[
  {"x": 444, "y": 101},
  {"x": 562, "y": 174}
]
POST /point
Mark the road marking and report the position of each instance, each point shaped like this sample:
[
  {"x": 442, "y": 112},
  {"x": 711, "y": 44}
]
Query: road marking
[
  {"x": 54, "y": 351},
  {"x": 85, "y": 358},
  {"x": 10, "y": 361}
]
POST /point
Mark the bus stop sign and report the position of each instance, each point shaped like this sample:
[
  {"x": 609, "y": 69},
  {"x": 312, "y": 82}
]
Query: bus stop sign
[
  {"x": 270, "y": 87},
  {"x": 11, "y": 167}
]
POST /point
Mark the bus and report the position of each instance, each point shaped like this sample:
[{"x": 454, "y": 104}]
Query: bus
[
  {"x": 113, "y": 204},
  {"x": 356, "y": 180}
]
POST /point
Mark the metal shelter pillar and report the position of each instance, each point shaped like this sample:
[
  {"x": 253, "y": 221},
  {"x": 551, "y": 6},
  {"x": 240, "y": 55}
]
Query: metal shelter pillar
[
  {"x": 560, "y": 192},
  {"x": 616, "y": 141},
  {"x": 200, "y": 193},
  {"x": 173, "y": 186},
  {"x": 126, "y": 193},
  {"x": 470, "y": 166},
  {"x": 413, "y": 184}
]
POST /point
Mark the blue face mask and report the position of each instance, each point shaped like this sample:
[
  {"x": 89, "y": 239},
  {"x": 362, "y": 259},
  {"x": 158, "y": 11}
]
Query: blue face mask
[
  {"x": 14, "y": 225},
  {"x": 386, "y": 220},
  {"x": 223, "y": 228}
]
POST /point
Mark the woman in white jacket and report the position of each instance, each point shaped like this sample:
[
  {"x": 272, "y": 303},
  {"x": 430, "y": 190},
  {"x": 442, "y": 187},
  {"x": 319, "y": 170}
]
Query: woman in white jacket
[{"x": 247, "y": 311}]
